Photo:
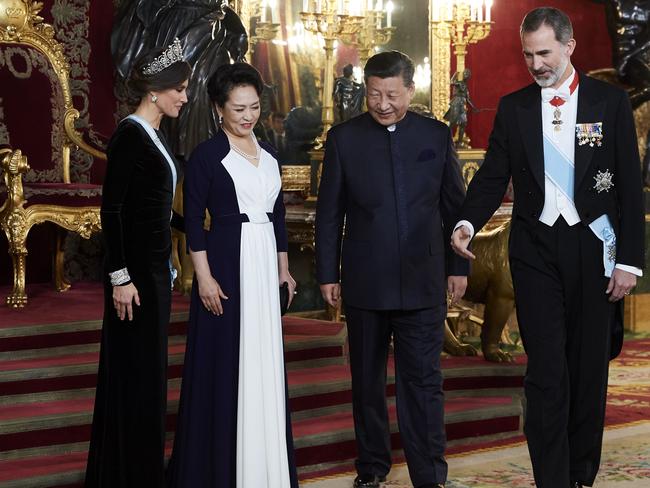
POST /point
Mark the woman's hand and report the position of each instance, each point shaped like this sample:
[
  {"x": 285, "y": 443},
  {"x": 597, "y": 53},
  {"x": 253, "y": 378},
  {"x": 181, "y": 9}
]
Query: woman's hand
[
  {"x": 123, "y": 298},
  {"x": 211, "y": 294},
  {"x": 286, "y": 276}
]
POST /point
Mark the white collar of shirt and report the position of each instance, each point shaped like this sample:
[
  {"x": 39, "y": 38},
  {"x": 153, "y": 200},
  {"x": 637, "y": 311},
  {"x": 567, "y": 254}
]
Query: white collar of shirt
[{"x": 564, "y": 91}]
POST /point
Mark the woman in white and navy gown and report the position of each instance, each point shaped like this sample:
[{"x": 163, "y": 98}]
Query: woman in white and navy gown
[{"x": 234, "y": 428}]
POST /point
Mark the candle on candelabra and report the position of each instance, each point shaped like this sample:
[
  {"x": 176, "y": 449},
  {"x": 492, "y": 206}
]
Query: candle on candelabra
[
  {"x": 480, "y": 11},
  {"x": 305, "y": 5},
  {"x": 272, "y": 5},
  {"x": 263, "y": 7},
  {"x": 319, "y": 6},
  {"x": 389, "y": 14},
  {"x": 488, "y": 7}
]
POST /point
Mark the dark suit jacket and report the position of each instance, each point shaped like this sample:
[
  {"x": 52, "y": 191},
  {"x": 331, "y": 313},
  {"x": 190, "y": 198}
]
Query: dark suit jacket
[
  {"x": 388, "y": 263},
  {"x": 516, "y": 150}
]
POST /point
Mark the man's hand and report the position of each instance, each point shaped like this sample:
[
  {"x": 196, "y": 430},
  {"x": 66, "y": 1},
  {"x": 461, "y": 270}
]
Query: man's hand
[
  {"x": 620, "y": 284},
  {"x": 460, "y": 242},
  {"x": 331, "y": 293},
  {"x": 456, "y": 286}
]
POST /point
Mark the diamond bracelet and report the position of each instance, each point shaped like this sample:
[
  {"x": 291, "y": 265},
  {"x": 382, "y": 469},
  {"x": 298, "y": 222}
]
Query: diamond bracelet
[{"x": 120, "y": 277}]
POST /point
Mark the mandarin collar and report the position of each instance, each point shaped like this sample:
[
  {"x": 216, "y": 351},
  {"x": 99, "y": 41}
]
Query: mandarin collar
[{"x": 396, "y": 126}]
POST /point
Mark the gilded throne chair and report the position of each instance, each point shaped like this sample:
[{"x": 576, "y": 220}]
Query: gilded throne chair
[{"x": 38, "y": 121}]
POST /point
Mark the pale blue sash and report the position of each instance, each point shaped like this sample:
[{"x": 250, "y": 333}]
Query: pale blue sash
[
  {"x": 602, "y": 227},
  {"x": 560, "y": 170}
]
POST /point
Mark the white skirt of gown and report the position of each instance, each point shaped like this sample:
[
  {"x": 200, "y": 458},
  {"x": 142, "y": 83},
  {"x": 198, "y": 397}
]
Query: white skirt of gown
[{"x": 262, "y": 460}]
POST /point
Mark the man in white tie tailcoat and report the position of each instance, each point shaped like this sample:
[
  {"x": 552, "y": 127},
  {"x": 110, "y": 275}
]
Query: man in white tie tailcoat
[{"x": 576, "y": 244}]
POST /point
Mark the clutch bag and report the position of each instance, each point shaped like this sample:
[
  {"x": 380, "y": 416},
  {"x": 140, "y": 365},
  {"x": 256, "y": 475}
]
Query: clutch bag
[{"x": 284, "y": 298}]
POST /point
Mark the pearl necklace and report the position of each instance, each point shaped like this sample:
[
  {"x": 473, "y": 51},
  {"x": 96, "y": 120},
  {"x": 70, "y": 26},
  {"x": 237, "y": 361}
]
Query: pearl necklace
[{"x": 243, "y": 153}]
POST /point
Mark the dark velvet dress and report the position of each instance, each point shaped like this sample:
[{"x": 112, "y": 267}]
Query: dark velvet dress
[
  {"x": 128, "y": 433},
  {"x": 206, "y": 444}
]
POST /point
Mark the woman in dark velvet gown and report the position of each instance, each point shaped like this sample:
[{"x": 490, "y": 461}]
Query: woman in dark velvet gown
[
  {"x": 234, "y": 429},
  {"x": 128, "y": 433}
]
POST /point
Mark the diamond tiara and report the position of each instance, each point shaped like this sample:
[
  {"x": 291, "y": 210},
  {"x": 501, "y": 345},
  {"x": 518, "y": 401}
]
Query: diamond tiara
[{"x": 173, "y": 54}]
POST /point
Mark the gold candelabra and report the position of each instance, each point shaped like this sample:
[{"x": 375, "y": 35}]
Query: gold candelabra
[
  {"x": 461, "y": 22},
  {"x": 333, "y": 20},
  {"x": 373, "y": 32},
  {"x": 264, "y": 27}
]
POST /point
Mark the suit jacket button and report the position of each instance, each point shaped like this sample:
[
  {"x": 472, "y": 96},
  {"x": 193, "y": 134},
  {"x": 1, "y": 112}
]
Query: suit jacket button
[
  {"x": 533, "y": 215},
  {"x": 523, "y": 170},
  {"x": 530, "y": 192}
]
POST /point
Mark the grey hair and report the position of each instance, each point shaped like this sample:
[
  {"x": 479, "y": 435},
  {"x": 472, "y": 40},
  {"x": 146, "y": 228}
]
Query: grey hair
[{"x": 552, "y": 17}]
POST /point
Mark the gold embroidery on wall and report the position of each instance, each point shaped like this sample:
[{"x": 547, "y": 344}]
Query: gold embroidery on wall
[{"x": 72, "y": 25}]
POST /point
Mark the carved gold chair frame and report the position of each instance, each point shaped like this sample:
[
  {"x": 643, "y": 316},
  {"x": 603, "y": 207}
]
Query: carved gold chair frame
[{"x": 20, "y": 24}]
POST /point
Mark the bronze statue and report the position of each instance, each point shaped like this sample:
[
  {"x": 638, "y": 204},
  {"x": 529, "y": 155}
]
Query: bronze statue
[
  {"x": 457, "y": 113},
  {"x": 211, "y": 33},
  {"x": 348, "y": 95},
  {"x": 491, "y": 283},
  {"x": 628, "y": 22}
]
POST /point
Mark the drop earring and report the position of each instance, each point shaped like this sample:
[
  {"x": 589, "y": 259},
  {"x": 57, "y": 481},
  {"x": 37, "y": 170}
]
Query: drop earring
[
  {"x": 220, "y": 119},
  {"x": 154, "y": 98}
]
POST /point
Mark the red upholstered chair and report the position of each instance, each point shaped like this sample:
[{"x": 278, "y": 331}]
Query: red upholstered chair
[{"x": 37, "y": 120}]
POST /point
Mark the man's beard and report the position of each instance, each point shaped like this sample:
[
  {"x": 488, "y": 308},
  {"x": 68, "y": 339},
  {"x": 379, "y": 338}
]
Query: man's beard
[{"x": 555, "y": 75}]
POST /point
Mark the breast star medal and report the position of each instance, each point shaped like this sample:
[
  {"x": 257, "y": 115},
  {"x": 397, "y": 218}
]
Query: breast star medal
[
  {"x": 611, "y": 253},
  {"x": 603, "y": 181}
]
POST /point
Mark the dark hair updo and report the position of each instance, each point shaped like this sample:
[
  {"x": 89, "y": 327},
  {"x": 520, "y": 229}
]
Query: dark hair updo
[
  {"x": 229, "y": 76},
  {"x": 171, "y": 77}
]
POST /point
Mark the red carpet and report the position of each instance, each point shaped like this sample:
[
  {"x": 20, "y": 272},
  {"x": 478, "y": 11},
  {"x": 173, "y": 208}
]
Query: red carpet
[
  {"x": 48, "y": 366},
  {"x": 83, "y": 301}
]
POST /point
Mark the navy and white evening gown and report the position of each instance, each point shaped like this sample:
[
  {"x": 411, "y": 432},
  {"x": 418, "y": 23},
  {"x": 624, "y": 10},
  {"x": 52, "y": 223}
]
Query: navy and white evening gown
[{"x": 233, "y": 425}]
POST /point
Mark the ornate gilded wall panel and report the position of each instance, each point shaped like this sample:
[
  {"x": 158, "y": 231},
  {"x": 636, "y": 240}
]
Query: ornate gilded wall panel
[{"x": 72, "y": 24}]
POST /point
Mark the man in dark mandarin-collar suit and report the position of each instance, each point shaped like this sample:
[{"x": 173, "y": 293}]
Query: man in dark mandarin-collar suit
[
  {"x": 576, "y": 243},
  {"x": 393, "y": 178}
]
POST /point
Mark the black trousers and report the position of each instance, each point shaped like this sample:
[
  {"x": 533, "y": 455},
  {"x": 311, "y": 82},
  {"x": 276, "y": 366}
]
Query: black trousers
[
  {"x": 565, "y": 320},
  {"x": 418, "y": 339}
]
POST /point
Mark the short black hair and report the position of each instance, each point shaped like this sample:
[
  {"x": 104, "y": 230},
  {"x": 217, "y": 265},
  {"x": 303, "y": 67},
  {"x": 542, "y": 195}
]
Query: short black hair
[
  {"x": 279, "y": 115},
  {"x": 171, "y": 77},
  {"x": 389, "y": 64},
  {"x": 552, "y": 17},
  {"x": 229, "y": 76}
]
